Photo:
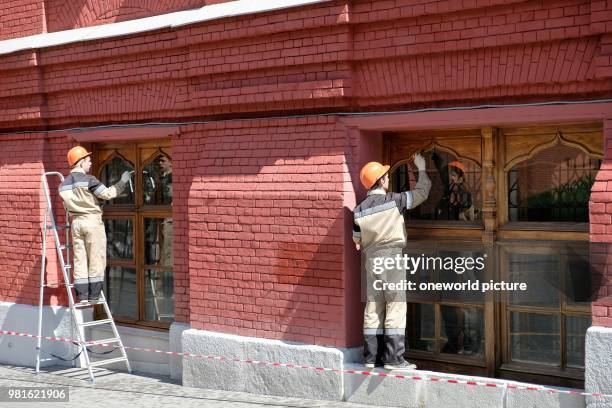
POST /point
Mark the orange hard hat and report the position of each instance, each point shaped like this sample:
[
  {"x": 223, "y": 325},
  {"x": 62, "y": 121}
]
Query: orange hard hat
[
  {"x": 458, "y": 165},
  {"x": 371, "y": 172},
  {"x": 77, "y": 153}
]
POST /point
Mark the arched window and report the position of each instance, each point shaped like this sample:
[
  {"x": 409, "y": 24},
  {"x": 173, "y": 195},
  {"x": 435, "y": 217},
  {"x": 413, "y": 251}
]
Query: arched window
[
  {"x": 553, "y": 185},
  {"x": 110, "y": 173},
  {"x": 529, "y": 190},
  {"x": 139, "y": 274},
  {"x": 456, "y": 187}
]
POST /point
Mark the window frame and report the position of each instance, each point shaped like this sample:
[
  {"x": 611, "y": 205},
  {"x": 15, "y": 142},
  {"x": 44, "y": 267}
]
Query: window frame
[
  {"x": 497, "y": 232},
  {"x": 139, "y": 154}
]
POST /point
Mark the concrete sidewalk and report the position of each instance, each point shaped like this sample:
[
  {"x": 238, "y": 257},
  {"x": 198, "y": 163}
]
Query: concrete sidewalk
[{"x": 119, "y": 389}]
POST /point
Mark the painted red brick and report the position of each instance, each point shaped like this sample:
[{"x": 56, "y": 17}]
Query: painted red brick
[
  {"x": 19, "y": 18},
  {"x": 602, "y": 234},
  {"x": 262, "y": 205},
  {"x": 265, "y": 239}
]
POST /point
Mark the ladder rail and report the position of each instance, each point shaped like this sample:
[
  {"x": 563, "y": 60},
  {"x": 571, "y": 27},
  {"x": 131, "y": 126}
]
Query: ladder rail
[
  {"x": 49, "y": 219},
  {"x": 115, "y": 331},
  {"x": 43, "y": 264}
]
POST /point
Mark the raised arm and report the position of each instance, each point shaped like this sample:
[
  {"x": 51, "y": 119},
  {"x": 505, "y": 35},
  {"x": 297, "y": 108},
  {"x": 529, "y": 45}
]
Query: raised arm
[
  {"x": 108, "y": 193},
  {"x": 421, "y": 191}
]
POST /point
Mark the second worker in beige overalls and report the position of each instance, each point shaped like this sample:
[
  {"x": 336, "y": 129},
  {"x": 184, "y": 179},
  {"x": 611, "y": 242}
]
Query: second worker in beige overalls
[
  {"x": 380, "y": 233},
  {"x": 81, "y": 193}
]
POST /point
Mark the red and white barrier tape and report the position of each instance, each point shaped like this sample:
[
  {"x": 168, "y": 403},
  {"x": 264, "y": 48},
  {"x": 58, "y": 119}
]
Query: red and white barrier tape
[{"x": 321, "y": 369}]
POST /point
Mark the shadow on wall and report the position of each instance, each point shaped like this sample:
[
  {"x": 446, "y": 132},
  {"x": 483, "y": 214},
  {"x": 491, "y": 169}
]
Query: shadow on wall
[
  {"x": 63, "y": 15},
  {"x": 54, "y": 159},
  {"x": 20, "y": 245},
  {"x": 22, "y": 162},
  {"x": 265, "y": 220}
]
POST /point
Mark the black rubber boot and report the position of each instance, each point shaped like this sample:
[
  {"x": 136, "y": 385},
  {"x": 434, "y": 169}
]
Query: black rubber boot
[
  {"x": 82, "y": 291},
  {"x": 95, "y": 288}
]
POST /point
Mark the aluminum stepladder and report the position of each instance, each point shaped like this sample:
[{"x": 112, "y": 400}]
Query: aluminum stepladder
[{"x": 65, "y": 265}]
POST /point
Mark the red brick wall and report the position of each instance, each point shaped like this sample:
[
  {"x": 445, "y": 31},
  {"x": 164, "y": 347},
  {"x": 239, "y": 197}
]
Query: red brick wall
[
  {"x": 335, "y": 56},
  {"x": 512, "y": 49},
  {"x": 64, "y": 15},
  {"x": 20, "y": 244},
  {"x": 600, "y": 208},
  {"x": 181, "y": 179},
  {"x": 265, "y": 227},
  {"x": 330, "y": 56},
  {"x": 23, "y": 159},
  {"x": 20, "y": 18}
]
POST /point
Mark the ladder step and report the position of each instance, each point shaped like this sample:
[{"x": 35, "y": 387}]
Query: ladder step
[
  {"x": 95, "y": 322},
  {"x": 88, "y": 304},
  {"x": 65, "y": 246},
  {"x": 109, "y": 361},
  {"x": 54, "y": 285},
  {"x": 96, "y": 342},
  {"x": 57, "y": 227}
]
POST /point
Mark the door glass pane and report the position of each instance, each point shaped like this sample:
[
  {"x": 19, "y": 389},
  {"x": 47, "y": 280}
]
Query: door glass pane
[
  {"x": 157, "y": 181},
  {"x": 111, "y": 174},
  {"x": 420, "y": 326},
  {"x": 461, "y": 267},
  {"x": 423, "y": 274},
  {"x": 159, "y": 296},
  {"x": 579, "y": 285},
  {"x": 119, "y": 238},
  {"x": 576, "y": 327},
  {"x": 554, "y": 185},
  {"x": 121, "y": 291},
  {"x": 535, "y": 338},
  {"x": 541, "y": 273},
  {"x": 158, "y": 241},
  {"x": 462, "y": 331},
  {"x": 455, "y": 192}
]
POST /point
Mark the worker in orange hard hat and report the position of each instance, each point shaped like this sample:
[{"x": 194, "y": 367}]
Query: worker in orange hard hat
[
  {"x": 80, "y": 193},
  {"x": 456, "y": 202},
  {"x": 379, "y": 232}
]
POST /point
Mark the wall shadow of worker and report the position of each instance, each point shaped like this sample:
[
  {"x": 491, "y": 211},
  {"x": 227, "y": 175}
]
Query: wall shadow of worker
[{"x": 584, "y": 276}]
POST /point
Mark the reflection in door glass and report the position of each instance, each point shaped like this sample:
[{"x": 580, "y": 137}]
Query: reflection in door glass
[
  {"x": 111, "y": 174},
  {"x": 420, "y": 331},
  {"x": 552, "y": 186},
  {"x": 455, "y": 189},
  {"x": 158, "y": 241},
  {"x": 119, "y": 238},
  {"x": 462, "y": 330},
  {"x": 159, "y": 295},
  {"x": 157, "y": 181},
  {"x": 121, "y": 291}
]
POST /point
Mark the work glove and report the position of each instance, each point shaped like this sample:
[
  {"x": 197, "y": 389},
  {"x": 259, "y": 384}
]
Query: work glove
[
  {"x": 419, "y": 162},
  {"x": 125, "y": 177}
]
